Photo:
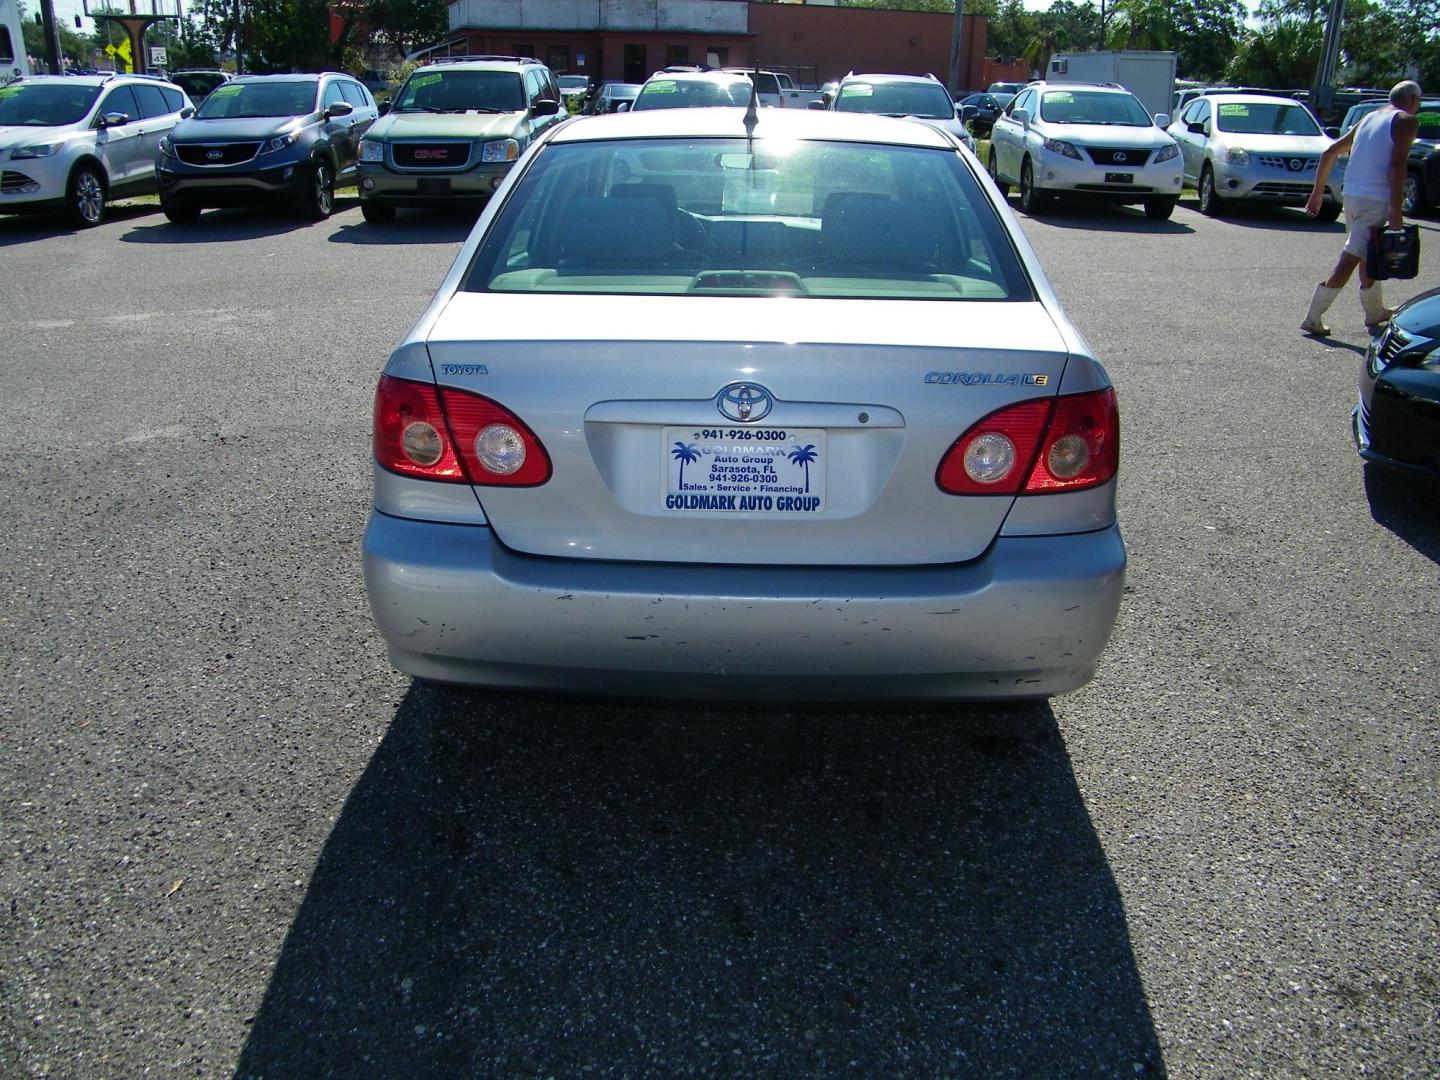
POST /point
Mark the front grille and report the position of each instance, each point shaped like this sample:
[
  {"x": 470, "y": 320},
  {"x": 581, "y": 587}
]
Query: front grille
[
  {"x": 1393, "y": 343},
  {"x": 16, "y": 183},
  {"x": 1280, "y": 187},
  {"x": 1294, "y": 163},
  {"x": 216, "y": 153},
  {"x": 454, "y": 155},
  {"x": 1127, "y": 156}
]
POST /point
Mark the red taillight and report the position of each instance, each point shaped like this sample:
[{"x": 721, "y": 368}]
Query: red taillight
[
  {"x": 454, "y": 436},
  {"x": 1045, "y": 445}
]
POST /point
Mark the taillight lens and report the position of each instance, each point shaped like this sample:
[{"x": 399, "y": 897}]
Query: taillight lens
[
  {"x": 1036, "y": 447},
  {"x": 454, "y": 436}
]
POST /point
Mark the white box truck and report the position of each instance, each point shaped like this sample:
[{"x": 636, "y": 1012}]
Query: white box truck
[
  {"x": 1150, "y": 76},
  {"x": 12, "y": 43}
]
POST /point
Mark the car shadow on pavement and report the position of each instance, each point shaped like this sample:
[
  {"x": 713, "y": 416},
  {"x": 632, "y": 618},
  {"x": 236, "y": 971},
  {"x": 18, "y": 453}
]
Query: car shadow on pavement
[
  {"x": 518, "y": 887},
  {"x": 1101, "y": 218},
  {"x": 230, "y": 224},
  {"x": 1335, "y": 343},
  {"x": 1277, "y": 219},
  {"x": 26, "y": 228},
  {"x": 1405, "y": 505},
  {"x": 412, "y": 227}
]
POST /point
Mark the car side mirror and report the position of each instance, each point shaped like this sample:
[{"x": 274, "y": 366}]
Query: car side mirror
[
  {"x": 624, "y": 106},
  {"x": 544, "y": 107},
  {"x": 1195, "y": 128},
  {"x": 384, "y": 108},
  {"x": 968, "y": 112},
  {"x": 818, "y": 105},
  {"x": 1021, "y": 117},
  {"x": 1333, "y": 132},
  {"x": 187, "y": 112},
  {"x": 340, "y": 108},
  {"x": 1162, "y": 119},
  {"x": 114, "y": 119}
]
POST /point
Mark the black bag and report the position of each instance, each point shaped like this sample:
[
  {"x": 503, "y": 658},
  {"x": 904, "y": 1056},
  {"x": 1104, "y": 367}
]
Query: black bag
[{"x": 1393, "y": 253}]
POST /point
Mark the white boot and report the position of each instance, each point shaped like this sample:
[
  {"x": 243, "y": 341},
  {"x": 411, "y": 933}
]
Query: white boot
[
  {"x": 1376, "y": 313},
  {"x": 1319, "y": 304}
]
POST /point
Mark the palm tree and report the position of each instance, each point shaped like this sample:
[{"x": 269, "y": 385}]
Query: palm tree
[
  {"x": 686, "y": 454},
  {"x": 803, "y": 456}
]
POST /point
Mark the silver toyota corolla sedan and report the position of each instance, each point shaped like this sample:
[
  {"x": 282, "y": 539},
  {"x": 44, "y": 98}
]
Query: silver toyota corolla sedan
[{"x": 784, "y": 409}]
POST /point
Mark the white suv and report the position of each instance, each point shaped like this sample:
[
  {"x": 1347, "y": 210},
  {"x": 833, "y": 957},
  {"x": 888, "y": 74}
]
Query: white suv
[
  {"x": 1088, "y": 140},
  {"x": 70, "y": 143}
]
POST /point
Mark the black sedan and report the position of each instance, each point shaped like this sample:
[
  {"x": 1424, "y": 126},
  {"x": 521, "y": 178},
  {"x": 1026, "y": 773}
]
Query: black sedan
[
  {"x": 1397, "y": 421},
  {"x": 980, "y": 110}
]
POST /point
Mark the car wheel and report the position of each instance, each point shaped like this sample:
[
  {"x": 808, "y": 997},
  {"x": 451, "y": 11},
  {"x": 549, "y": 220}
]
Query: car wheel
[
  {"x": 85, "y": 197},
  {"x": 994, "y": 169},
  {"x": 1410, "y": 194},
  {"x": 1210, "y": 203},
  {"x": 1030, "y": 200},
  {"x": 181, "y": 213},
  {"x": 319, "y": 198},
  {"x": 1328, "y": 211},
  {"x": 376, "y": 213},
  {"x": 1159, "y": 209}
]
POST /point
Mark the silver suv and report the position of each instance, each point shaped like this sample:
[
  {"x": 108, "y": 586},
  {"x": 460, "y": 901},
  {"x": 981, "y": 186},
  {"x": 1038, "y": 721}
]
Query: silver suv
[{"x": 72, "y": 143}]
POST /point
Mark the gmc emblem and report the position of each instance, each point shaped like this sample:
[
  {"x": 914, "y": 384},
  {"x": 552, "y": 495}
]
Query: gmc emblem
[{"x": 431, "y": 155}]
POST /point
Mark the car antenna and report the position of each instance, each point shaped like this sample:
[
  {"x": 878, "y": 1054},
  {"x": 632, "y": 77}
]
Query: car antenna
[{"x": 752, "y": 117}]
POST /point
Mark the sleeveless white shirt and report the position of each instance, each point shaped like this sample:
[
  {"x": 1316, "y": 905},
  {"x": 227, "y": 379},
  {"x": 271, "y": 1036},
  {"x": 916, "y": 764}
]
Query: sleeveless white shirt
[{"x": 1368, "y": 173}]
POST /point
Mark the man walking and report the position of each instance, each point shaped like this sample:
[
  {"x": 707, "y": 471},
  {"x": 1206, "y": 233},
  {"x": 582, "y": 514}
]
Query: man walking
[{"x": 1374, "y": 182}]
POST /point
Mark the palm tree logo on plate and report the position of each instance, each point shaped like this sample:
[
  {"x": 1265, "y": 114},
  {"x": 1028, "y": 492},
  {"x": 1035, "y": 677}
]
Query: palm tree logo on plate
[
  {"x": 686, "y": 454},
  {"x": 803, "y": 456}
]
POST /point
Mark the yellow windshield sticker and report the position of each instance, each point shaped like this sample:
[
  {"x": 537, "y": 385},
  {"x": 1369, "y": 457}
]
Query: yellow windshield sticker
[
  {"x": 228, "y": 90},
  {"x": 425, "y": 80},
  {"x": 1429, "y": 121},
  {"x": 1234, "y": 110},
  {"x": 1060, "y": 97},
  {"x": 9, "y": 91},
  {"x": 664, "y": 86},
  {"x": 857, "y": 90}
]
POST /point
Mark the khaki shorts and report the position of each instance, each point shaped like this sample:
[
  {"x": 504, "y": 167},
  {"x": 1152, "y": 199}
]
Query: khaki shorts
[{"x": 1363, "y": 214}]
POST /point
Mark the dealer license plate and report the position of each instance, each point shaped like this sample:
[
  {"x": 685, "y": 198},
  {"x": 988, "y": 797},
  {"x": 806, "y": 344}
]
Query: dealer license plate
[
  {"x": 765, "y": 471},
  {"x": 1119, "y": 178}
]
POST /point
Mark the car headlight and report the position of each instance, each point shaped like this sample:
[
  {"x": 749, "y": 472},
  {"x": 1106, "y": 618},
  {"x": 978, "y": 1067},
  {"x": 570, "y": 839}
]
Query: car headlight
[
  {"x": 279, "y": 143},
  {"x": 370, "y": 150},
  {"x": 1063, "y": 148},
  {"x": 37, "y": 150},
  {"x": 500, "y": 150},
  {"x": 165, "y": 146},
  {"x": 1237, "y": 155},
  {"x": 1167, "y": 152}
]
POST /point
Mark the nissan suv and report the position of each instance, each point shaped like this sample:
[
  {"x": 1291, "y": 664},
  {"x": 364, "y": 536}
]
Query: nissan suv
[
  {"x": 1085, "y": 140},
  {"x": 919, "y": 97},
  {"x": 453, "y": 131},
  {"x": 72, "y": 143},
  {"x": 286, "y": 139}
]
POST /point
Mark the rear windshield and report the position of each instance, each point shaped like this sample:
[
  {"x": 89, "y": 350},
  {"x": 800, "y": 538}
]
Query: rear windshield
[
  {"x": 45, "y": 104},
  {"x": 896, "y": 99},
  {"x": 1080, "y": 107},
  {"x": 691, "y": 94},
  {"x": 725, "y": 217},
  {"x": 198, "y": 84},
  {"x": 1264, "y": 118},
  {"x": 241, "y": 99},
  {"x": 462, "y": 91}
]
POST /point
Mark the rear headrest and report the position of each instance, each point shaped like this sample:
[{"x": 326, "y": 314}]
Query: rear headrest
[
  {"x": 873, "y": 229},
  {"x": 604, "y": 232},
  {"x": 664, "y": 194}
]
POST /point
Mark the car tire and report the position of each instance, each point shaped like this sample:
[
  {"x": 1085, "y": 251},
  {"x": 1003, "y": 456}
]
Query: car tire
[
  {"x": 376, "y": 213},
  {"x": 1412, "y": 195},
  {"x": 1159, "y": 209},
  {"x": 1211, "y": 205},
  {"x": 1030, "y": 200},
  {"x": 318, "y": 200},
  {"x": 993, "y": 167},
  {"x": 1328, "y": 211},
  {"x": 85, "y": 197},
  {"x": 181, "y": 213}
]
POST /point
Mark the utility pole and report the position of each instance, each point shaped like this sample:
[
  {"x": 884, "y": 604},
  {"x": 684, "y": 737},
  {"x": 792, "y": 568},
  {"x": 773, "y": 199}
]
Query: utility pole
[
  {"x": 54, "y": 58},
  {"x": 1322, "y": 94},
  {"x": 956, "y": 38},
  {"x": 239, "y": 62}
]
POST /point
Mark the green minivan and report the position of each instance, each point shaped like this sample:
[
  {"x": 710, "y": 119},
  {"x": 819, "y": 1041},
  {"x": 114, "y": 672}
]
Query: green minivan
[{"x": 453, "y": 131}]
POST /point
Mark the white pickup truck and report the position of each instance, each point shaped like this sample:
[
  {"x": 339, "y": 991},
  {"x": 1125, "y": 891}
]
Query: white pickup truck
[{"x": 776, "y": 89}]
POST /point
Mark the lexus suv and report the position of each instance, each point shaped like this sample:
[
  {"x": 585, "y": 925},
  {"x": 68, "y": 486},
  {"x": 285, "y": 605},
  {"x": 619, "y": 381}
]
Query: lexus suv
[
  {"x": 453, "y": 132},
  {"x": 73, "y": 143},
  {"x": 1256, "y": 149},
  {"x": 1088, "y": 140},
  {"x": 285, "y": 139}
]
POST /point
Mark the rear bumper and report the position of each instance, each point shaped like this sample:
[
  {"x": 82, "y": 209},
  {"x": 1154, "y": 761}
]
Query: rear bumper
[{"x": 1028, "y": 619}]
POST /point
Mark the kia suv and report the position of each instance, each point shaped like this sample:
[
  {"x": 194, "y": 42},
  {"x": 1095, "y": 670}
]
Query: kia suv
[
  {"x": 285, "y": 139},
  {"x": 72, "y": 143},
  {"x": 453, "y": 132},
  {"x": 1085, "y": 140}
]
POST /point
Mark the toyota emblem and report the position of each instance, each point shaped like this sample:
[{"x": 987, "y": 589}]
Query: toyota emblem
[{"x": 744, "y": 402}]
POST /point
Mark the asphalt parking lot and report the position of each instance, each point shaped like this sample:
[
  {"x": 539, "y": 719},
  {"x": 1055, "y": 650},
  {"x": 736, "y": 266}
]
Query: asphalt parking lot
[{"x": 235, "y": 842}]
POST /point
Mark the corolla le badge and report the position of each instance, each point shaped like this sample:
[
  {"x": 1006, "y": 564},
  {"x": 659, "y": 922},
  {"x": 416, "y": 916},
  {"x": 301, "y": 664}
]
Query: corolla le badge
[{"x": 744, "y": 402}]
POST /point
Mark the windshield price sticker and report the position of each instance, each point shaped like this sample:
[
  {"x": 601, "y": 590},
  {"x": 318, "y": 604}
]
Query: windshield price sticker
[
  {"x": 767, "y": 472},
  {"x": 1234, "y": 110},
  {"x": 857, "y": 90},
  {"x": 425, "y": 80},
  {"x": 1060, "y": 97},
  {"x": 661, "y": 88},
  {"x": 226, "y": 91}
]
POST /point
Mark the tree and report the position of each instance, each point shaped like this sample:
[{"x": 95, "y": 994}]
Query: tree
[
  {"x": 72, "y": 44},
  {"x": 1206, "y": 33},
  {"x": 1140, "y": 24},
  {"x": 1282, "y": 53}
]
